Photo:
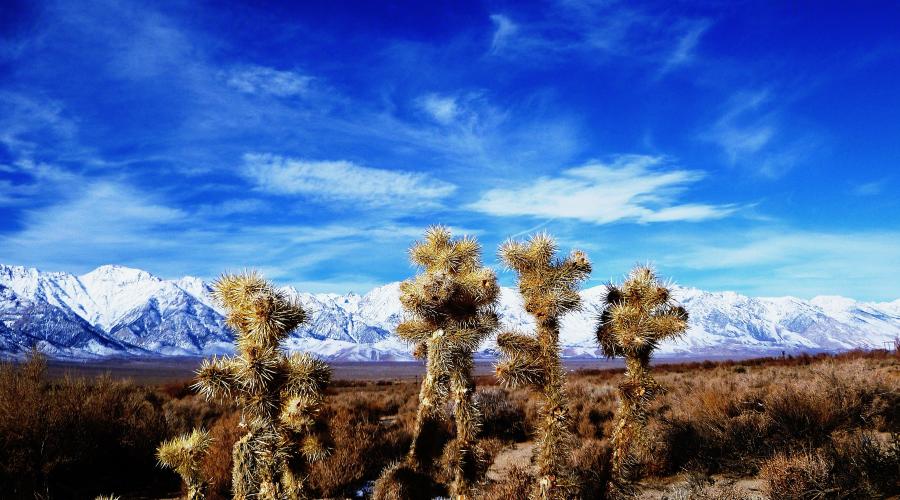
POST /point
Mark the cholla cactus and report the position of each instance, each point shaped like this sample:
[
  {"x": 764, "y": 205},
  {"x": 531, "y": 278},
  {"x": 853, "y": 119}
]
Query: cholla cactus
[
  {"x": 184, "y": 454},
  {"x": 280, "y": 396},
  {"x": 637, "y": 316},
  {"x": 549, "y": 287},
  {"x": 451, "y": 304}
]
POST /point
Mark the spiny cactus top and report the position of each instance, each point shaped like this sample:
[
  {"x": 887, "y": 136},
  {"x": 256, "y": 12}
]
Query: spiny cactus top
[
  {"x": 452, "y": 300},
  {"x": 451, "y": 308},
  {"x": 280, "y": 396},
  {"x": 636, "y": 317},
  {"x": 549, "y": 287}
]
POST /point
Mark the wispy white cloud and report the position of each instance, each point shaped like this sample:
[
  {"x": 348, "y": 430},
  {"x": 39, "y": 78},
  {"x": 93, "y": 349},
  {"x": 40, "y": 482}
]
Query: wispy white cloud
[
  {"x": 40, "y": 180},
  {"x": 504, "y": 30},
  {"x": 444, "y": 109},
  {"x": 630, "y": 188},
  {"x": 343, "y": 181},
  {"x": 870, "y": 188},
  {"x": 750, "y": 134},
  {"x": 263, "y": 80},
  {"x": 101, "y": 215},
  {"x": 685, "y": 47},
  {"x": 600, "y": 31},
  {"x": 27, "y": 121}
]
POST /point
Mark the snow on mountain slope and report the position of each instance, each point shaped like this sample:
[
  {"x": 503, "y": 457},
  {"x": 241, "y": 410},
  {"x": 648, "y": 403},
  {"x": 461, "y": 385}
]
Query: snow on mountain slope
[
  {"x": 116, "y": 310},
  {"x": 122, "y": 310}
]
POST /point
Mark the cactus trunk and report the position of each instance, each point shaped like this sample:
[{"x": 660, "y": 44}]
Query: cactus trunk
[
  {"x": 280, "y": 396},
  {"x": 451, "y": 312},
  {"x": 549, "y": 287},
  {"x": 636, "y": 317}
]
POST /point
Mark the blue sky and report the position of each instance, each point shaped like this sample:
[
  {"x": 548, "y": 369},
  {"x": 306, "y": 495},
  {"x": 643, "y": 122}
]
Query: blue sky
[{"x": 745, "y": 146}]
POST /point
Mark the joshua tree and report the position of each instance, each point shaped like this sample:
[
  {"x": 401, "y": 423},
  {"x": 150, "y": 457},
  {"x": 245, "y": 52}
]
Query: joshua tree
[
  {"x": 636, "y": 317},
  {"x": 451, "y": 307},
  {"x": 184, "y": 454},
  {"x": 280, "y": 396},
  {"x": 549, "y": 286}
]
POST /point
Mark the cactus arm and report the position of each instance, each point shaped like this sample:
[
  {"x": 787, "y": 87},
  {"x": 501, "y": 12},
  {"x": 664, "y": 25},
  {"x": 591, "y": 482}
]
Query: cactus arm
[
  {"x": 216, "y": 378},
  {"x": 306, "y": 376},
  {"x": 415, "y": 330},
  {"x": 185, "y": 454}
]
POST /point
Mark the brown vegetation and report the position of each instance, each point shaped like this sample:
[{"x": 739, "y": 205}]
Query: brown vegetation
[{"x": 803, "y": 425}]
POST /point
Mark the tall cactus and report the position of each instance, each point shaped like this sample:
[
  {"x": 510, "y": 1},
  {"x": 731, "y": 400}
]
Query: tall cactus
[
  {"x": 636, "y": 317},
  {"x": 280, "y": 396},
  {"x": 549, "y": 287},
  {"x": 184, "y": 454},
  {"x": 451, "y": 304}
]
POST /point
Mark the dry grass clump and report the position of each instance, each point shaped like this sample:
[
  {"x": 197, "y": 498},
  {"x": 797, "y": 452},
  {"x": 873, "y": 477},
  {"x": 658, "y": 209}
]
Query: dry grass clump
[
  {"x": 503, "y": 414},
  {"x": 854, "y": 465},
  {"x": 727, "y": 421},
  {"x": 799, "y": 475},
  {"x": 366, "y": 437}
]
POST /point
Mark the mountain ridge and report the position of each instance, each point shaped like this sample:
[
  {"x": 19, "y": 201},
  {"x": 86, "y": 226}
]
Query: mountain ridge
[{"x": 121, "y": 311}]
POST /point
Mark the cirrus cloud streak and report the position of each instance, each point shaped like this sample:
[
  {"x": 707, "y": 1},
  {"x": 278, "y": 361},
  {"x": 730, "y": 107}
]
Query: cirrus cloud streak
[{"x": 629, "y": 188}]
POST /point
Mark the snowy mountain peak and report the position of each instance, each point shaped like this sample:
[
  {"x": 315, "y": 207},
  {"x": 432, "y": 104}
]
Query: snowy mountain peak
[
  {"x": 119, "y": 275},
  {"x": 116, "y": 310}
]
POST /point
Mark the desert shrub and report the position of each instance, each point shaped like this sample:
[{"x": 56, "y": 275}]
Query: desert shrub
[
  {"x": 592, "y": 407},
  {"x": 699, "y": 486},
  {"x": 864, "y": 465},
  {"x": 798, "y": 476},
  {"x": 217, "y": 463},
  {"x": 592, "y": 464},
  {"x": 502, "y": 417},
  {"x": 363, "y": 442},
  {"x": 77, "y": 438}
]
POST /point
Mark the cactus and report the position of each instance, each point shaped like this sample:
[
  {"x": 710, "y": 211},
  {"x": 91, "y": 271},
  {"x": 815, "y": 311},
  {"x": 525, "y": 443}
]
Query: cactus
[
  {"x": 451, "y": 306},
  {"x": 636, "y": 317},
  {"x": 280, "y": 396},
  {"x": 549, "y": 287},
  {"x": 184, "y": 454}
]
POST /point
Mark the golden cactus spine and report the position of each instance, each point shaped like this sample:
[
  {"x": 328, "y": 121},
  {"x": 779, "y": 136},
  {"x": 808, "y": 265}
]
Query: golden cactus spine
[
  {"x": 451, "y": 307},
  {"x": 636, "y": 317},
  {"x": 185, "y": 454},
  {"x": 549, "y": 287},
  {"x": 280, "y": 396}
]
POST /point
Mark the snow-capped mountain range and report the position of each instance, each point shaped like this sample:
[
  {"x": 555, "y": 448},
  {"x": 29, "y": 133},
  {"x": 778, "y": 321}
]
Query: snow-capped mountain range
[{"x": 118, "y": 311}]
